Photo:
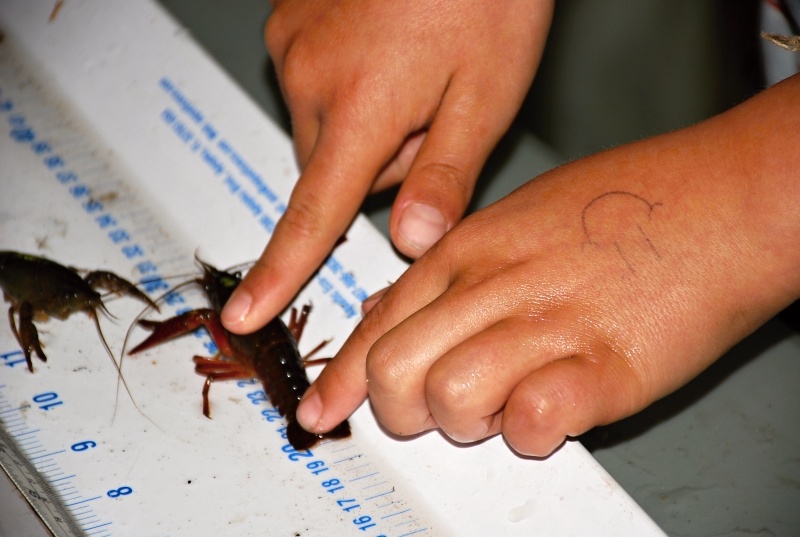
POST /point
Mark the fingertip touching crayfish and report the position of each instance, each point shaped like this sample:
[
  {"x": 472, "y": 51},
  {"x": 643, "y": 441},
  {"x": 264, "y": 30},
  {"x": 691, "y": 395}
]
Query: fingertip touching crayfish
[
  {"x": 39, "y": 288},
  {"x": 269, "y": 354}
]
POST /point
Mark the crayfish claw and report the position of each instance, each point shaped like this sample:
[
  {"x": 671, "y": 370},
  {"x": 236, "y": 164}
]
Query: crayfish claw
[
  {"x": 108, "y": 281},
  {"x": 148, "y": 325}
]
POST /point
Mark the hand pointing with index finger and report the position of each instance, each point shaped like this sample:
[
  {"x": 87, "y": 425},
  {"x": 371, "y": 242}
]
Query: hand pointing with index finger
[{"x": 382, "y": 92}]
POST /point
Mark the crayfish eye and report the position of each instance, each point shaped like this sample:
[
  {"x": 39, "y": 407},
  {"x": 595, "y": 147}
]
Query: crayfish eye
[{"x": 230, "y": 282}]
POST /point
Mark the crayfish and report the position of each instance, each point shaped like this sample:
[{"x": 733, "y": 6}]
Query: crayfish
[
  {"x": 269, "y": 354},
  {"x": 38, "y": 287}
]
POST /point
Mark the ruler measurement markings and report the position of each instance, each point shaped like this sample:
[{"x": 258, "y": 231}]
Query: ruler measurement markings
[
  {"x": 46, "y": 467},
  {"x": 21, "y": 424},
  {"x": 15, "y": 409},
  {"x": 59, "y": 134},
  {"x": 87, "y": 167},
  {"x": 374, "y": 485},
  {"x": 42, "y": 497},
  {"x": 366, "y": 472}
]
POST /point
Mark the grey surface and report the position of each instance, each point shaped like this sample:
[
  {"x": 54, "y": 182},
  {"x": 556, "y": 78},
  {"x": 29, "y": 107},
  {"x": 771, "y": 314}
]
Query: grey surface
[
  {"x": 620, "y": 70},
  {"x": 722, "y": 455},
  {"x": 17, "y": 517}
]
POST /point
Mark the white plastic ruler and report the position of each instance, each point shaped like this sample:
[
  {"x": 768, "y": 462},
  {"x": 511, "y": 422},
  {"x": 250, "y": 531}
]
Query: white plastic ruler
[{"x": 123, "y": 147}]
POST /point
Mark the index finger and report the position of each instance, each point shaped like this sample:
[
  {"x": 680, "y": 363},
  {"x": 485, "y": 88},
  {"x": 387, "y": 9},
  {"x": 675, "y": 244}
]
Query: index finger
[
  {"x": 325, "y": 200},
  {"x": 342, "y": 385}
]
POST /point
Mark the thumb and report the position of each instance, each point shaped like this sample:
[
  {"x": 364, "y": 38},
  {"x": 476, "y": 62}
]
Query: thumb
[{"x": 441, "y": 180}]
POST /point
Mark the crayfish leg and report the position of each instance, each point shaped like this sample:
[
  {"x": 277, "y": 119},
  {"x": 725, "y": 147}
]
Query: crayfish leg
[
  {"x": 298, "y": 323},
  {"x": 215, "y": 370},
  {"x": 27, "y": 335},
  {"x": 307, "y": 358},
  {"x": 213, "y": 366}
]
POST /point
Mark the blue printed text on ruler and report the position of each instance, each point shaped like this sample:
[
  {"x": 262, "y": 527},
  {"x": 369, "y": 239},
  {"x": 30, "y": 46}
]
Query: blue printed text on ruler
[
  {"x": 351, "y": 482},
  {"x": 56, "y": 164},
  {"x": 248, "y": 186}
]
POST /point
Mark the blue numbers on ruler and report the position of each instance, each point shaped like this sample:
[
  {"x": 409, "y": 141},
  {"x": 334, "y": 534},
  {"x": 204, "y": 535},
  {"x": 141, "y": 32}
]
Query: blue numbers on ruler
[
  {"x": 56, "y": 163},
  {"x": 291, "y": 452},
  {"x": 364, "y": 522},
  {"x": 121, "y": 491},
  {"x": 271, "y": 414},
  {"x": 8, "y": 360},
  {"x": 332, "y": 485},
  {"x": 258, "y": 397},
  {"x": 113, "y": 493},
  {"x": 83, "y": 446},
  {"x": 316, "y": 467},
  {"x": 47, "y": 400}
]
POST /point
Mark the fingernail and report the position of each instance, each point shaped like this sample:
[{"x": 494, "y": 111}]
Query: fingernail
[
  {"x": 373, "y": 299},
  {"x": 237, "y": 308},
  {"x": 421, "y": 226},
  {"x": 310, "y": 410}
]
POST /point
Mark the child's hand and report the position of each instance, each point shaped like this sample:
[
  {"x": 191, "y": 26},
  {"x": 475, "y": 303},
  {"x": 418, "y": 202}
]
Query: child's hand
[
  {"x": 382, "y": 92},
  {"x": 589, "y": 293}
]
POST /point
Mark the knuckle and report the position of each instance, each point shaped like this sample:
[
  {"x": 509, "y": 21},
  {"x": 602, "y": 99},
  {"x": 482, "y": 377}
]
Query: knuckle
[
  {"x": 394, "y": 392},
  {"x": 304, "y": 217},
  {"x": 452, "y": 181},
  {"x": 449, "y": 394},
  {"x": 387, "y": 372},
  {"x": 272, "y": 34},
  {"x": 532, "y": 427},
  {"x": 294, "y": 74},
  {"x": 294, "y": 63},
  {"x": 276, "y": 33},
  {"x": 456, "y": 406}
]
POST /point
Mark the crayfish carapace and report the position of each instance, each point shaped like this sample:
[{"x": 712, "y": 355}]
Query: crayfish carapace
[
  {"x": 38, "y": 287},
  {"x": 269, "y": 354}
]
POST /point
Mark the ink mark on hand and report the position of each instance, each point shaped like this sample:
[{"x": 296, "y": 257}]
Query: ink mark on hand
[{"x": 619, "y": 220}]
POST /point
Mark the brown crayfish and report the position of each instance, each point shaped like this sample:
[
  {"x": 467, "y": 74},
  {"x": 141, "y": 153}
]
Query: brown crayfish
[
  {"x": 37, "y": 287},
  {"x": 269, "y": 354}
]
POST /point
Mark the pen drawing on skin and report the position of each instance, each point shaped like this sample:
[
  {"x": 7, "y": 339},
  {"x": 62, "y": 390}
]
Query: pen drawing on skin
[{"x": 619, "y": 220}]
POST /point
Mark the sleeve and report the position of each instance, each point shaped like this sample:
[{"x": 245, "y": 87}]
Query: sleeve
[{"x": 781, "y": 42}]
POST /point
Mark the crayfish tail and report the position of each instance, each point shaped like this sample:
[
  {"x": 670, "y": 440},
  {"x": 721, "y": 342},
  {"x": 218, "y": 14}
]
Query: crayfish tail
[
  {"x": 299, "y": 437},
  {"x": 340, "y": 431},
  {"x": 302, "y": 439}
]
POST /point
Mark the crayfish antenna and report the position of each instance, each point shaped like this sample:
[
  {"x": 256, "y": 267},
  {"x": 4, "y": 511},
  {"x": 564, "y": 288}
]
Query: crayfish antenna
[
  {"x": 145, "y": 311},
  {"x": 106, "y": 312},
  {"x": 96, "y": 320}
]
